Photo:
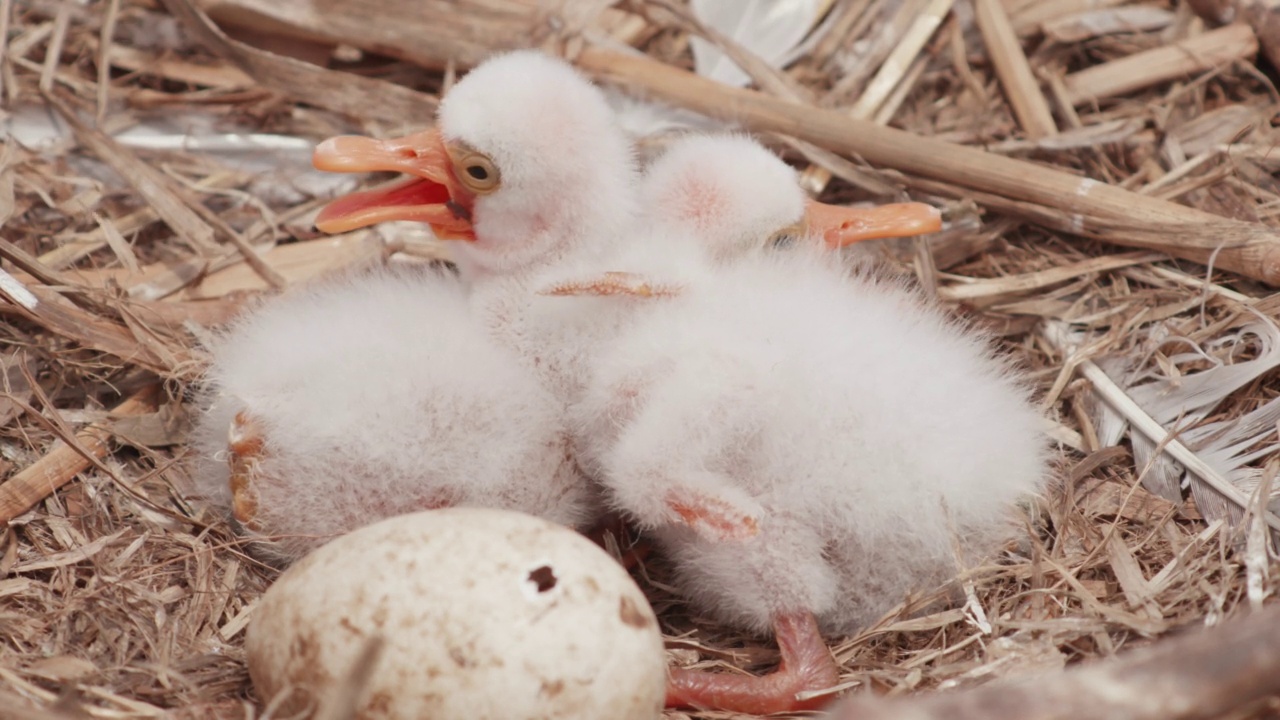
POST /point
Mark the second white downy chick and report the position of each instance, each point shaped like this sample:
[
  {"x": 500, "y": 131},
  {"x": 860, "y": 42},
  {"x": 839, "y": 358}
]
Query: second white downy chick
[
  {"x": 806, "y": 445},
  {"x": 371, "y": 395}
]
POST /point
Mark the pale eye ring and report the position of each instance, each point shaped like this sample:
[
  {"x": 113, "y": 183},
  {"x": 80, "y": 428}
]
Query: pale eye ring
[
  {"x": 476, "y": 171},
  {"x": 787, "y": 236}
]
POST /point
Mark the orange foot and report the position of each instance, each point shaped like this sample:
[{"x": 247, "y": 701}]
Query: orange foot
[
  {"x": 244, "y": 447},
  {"x": 806, "y": 667}
]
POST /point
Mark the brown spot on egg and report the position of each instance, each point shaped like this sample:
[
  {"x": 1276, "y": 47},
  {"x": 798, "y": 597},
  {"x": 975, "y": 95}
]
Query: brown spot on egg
[
  {"x": 552, "y": 689},
  {"x": 632, "y": 615},
  {"x": 380, "y": 702},
  {"x": 544, "y": 578},
  {"x": 459, "y": 658}
]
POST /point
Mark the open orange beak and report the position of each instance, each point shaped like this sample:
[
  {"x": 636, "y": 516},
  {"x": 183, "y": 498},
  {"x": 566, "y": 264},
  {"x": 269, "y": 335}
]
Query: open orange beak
[
  {"x": 431, "y": 196},
  {"x": 840, "y": 226}
]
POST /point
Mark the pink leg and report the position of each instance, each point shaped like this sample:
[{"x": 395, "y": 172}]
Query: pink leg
[{"x": 806, "y": 666}]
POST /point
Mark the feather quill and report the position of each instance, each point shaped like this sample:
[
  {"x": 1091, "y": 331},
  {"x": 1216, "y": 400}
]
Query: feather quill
[{"x": 1210, "y": 462}]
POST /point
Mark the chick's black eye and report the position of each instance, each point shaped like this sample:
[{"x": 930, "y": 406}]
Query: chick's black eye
[
  {"x": 478, "y": 172},
  {"x": 783, "y": 240}
]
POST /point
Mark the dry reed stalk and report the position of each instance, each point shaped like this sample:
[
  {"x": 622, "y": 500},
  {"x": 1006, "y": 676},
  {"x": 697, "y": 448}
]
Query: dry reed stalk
[
  {"x": 1011, "y": 65},
  {"x": 1012, "y": 284},
  {"x": 1184, "y": 58},
  {"x": 461, "y": 32},
  {"x": 344, "y": 92},
  {"x": 221, "y": 75},
  {"x": 1029, "y": 19},
  {"x": 149, "y": 182},
  {"x": 1209, "y": 673},
  {"x": 1218, "y": 12},
  {"x": 63, "y": 462},
  {"x": 1082, "y": 205},
  {"x": 888, "y": 78},
  {"x": 6, "y": 14}
]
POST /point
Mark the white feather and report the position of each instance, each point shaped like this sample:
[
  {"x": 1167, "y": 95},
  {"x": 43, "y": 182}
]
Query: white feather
[{"x": 771, "y": 29}]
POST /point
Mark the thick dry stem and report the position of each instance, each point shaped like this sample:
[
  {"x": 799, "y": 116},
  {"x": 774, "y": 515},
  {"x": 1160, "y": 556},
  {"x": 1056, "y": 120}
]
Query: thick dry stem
[
  {"x": 63, "y": 463},
  {"x": 1094, "y": 209}
]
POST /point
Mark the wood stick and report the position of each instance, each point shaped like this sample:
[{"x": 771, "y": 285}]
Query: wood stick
[
  {"x": 62, "y": 463},
  {"x": 1020, "y": 85},
  {"x": 1195, "y": 676},
  {"x": 1181, "y": 59},
  {"x": 1094, "y": 209}
]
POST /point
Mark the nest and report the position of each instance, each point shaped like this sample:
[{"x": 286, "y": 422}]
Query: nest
[{"x": 1107, "y": 170}]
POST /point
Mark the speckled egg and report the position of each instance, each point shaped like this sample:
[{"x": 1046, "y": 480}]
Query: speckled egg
[{"x": 480, "y": 613}]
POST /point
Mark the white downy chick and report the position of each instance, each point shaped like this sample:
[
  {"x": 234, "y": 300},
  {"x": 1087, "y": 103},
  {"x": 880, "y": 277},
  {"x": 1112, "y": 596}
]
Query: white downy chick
[
  {"x": 736, "y": 198},
  {"x": 804, "y": 443},
  {"x": 711, "y": 200},
  {"x": 528, "y": 169},
  {"x": 371, "y": 395}
]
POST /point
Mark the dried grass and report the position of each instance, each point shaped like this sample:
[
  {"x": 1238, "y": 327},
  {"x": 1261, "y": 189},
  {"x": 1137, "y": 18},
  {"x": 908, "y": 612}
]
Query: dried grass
[{"x": 118, "y": 600}]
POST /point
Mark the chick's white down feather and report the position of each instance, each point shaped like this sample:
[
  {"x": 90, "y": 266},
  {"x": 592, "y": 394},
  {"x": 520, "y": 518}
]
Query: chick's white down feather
[
  {"x": 857, "y": 424},
  {"x": 377, "y": 394},
  {"x": 726, "y": 194},
  {"x": 567, "y": 191},
  {"x": 851, "y": 420},
  {"x": 567, "y": 169}
]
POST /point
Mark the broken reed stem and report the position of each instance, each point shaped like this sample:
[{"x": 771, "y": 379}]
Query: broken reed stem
[
  {"x": 887, "y": 78},
  {"x": 1202, "y": 675},
  {"x": 1029, "y": 19},
  {"x": 1201, "y": 53},
  {"x": 355, "y": 95},
  {"x": 105, "y": 43},
  {"x": 6, "y": 12},
  {"x": 62, "y": 463},
  {"x": 1093, "y": 208},
  {"x": 1011, "y": 66},
  {"x": 53, "y": 55}
]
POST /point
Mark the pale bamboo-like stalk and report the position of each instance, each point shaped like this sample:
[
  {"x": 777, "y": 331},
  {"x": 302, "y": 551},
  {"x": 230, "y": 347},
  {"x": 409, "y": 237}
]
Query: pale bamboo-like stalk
[
  {"x": 1081, "y": 206},
  {"x": 891, "y": 72},
  {"x": 1020, "y": 86},
  {"x": 62, "y": 463},
  {"x": 1181, "y": 59}
]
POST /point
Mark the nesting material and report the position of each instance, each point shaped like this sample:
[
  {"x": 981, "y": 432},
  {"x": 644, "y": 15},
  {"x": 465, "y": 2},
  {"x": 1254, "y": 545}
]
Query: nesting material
[
  {"x": 120, "y": 597},
  {"x": 459, "y": 614}
]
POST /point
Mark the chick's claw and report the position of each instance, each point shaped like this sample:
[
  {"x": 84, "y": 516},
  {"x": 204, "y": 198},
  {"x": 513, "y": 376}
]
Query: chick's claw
[
  {"x": 244, "y": 447},
  {"x": 806, "y": 668}
]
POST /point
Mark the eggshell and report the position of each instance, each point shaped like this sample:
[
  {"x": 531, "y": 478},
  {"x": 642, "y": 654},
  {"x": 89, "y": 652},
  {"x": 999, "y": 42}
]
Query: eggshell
[{"x": 483, "y": 614}]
